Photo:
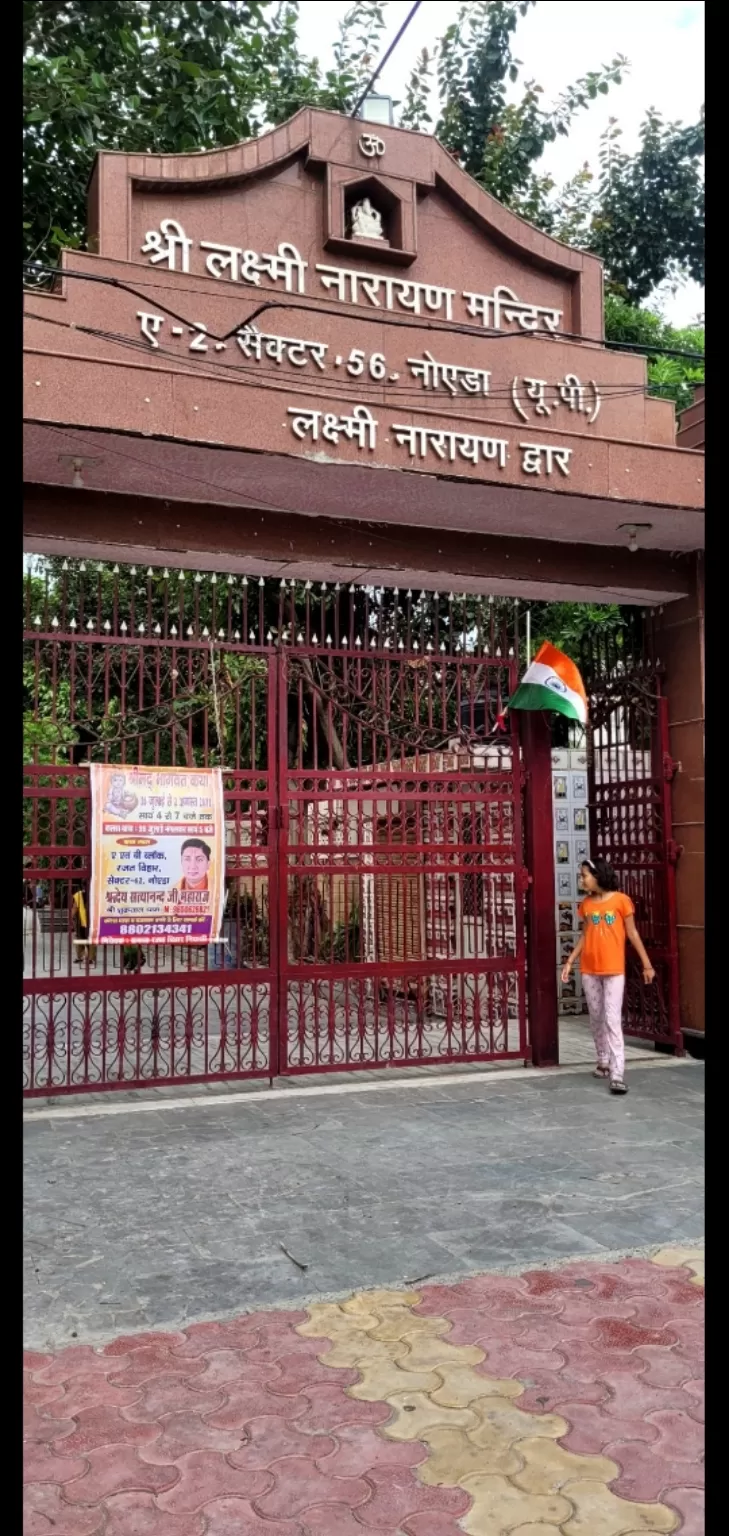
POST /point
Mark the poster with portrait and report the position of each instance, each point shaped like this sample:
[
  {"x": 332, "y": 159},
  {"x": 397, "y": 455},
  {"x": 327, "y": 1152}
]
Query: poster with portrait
[{"x": 157, "y": 855}]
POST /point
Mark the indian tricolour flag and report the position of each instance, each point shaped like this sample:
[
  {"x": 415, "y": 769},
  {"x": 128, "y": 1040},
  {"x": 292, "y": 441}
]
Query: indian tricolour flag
[{"x": 552, "y": 682}]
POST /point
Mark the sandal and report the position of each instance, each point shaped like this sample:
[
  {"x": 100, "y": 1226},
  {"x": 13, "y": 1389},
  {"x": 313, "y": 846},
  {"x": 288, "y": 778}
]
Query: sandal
[
  {"x": 601, "y": 1071},
  {"x": 618, "y": 1086}
]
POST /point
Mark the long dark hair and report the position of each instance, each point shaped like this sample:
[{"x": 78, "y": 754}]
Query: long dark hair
[{"x": 603, "y": 872}]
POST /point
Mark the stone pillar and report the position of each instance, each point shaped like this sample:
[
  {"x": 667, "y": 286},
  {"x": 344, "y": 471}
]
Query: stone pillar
[
  {"x": 535, "y": 733},
  {"x": 680, "y": 647}
]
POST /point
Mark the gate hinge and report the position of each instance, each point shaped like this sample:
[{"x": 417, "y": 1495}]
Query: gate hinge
[
  {"x": 670, "y": 768},
  {"x": 673, "y": 851},
  {"x": 523, "y": 880}
]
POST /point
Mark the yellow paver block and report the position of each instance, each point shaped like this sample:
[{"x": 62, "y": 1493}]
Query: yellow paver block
[
  {"x": 498, "y": 1506},
  {"x": 462, "y": 1385},
  {"x": 521, "y": 1481},
  {"x": 683, "y": 1258},
  {"x": 453, "y": 1453},
  {"x": 598, "y": 1512},
  {"x": 546, "y": 1467}
]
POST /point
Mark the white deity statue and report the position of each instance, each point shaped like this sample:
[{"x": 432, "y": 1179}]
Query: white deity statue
[{"x": 366, "y": 221}]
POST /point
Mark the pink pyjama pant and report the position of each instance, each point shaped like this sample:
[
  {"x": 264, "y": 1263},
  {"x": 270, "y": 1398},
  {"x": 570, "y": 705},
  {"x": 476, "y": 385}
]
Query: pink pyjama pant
[{"x": 605, "y": 1001}]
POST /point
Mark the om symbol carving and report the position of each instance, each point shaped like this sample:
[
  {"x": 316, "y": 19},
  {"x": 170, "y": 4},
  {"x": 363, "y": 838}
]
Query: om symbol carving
[{"x": 371, "y": 146}]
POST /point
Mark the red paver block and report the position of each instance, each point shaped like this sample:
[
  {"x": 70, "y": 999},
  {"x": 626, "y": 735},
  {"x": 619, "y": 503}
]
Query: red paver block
[
  {"x": 79, "y": 1360},
  {"x": 39, "y": 1426},
  {"x": 333, "y": 1520},
  {"x": 185, "y": 1432},
  {"x": 269, "y": 1439},
  {"x": 45, "y": 1513},
  {"x": 329, "y": 1406},
  {"x": 690, "y": 1503},
  {"x": 398, "y": 1495},
  {"x": 42, "y": 1464},
  {"x": 148, "y": 1361},
  {"x": 231, "y": 1367},
  {"x": 299, "y": 1484},
  {"x": 645, "y": 1470},
  {"x": 592, "y": 1427},
  {"x": 127, "y": 1343},
  {"x": 297, "y": 1372},
  {"x": 164, "y": 1395},
  {"x": 357, "y": 1449},
  {"x": 236, "y": 1517},
  {"x": 105, "y": 1426},
  {"x": 206, "y": 1475},
  {"x": 244, "y": 1403},
  {"x": 89, "y": 1390},
  {"x": 118, "y": 1469},
  {"x": 138, "y": 1514}
]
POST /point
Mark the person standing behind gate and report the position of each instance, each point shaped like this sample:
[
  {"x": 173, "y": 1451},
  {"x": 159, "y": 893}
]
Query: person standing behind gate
[
  {"x": 607, "y": 916},
  {"x": 81, "y": 929}
]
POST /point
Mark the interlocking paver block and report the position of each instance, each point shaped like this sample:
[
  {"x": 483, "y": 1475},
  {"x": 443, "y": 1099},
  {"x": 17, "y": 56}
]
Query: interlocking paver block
[{"x": 566, "y": 1401}]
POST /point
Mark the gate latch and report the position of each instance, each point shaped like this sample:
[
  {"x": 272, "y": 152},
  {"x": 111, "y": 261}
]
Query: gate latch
[
  {"x": 673, "y": 851},
  {"x": 670, "y": 768},
  {"x": 523, "y": 881}
]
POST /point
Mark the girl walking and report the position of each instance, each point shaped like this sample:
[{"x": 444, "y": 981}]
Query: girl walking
[{"x": 607, "y": 916}]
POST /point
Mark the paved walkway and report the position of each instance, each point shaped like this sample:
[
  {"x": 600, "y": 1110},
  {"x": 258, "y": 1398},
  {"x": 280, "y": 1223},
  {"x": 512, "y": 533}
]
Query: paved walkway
[{"x": 561, "y": 1402}]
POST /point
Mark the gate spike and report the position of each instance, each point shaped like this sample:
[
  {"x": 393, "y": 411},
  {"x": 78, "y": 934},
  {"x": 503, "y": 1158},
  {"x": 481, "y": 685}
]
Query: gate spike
[
  {"x": 314, "y": 640},
  {"x": 206, "y": 632},
  {"x": 244, "y": 582},
  {"x": 173, "y": 630},
  {"x": 198, "y": 578},
  {"x": 307, "y": 586},
  {"x": 329, "y": 639},
  {"x": 150, "y": 572},
  {"x": 181, "y": 576},
  {"x": 82, "y": 566},
  {"x": 115, "y": 571},
  {"x": 90, "y": 624},
  {"x": 300, "y": 638},
  {"x": 37, "y": 621},
  {"x": 221, "y": 634},
  {"x": 373, "y": 644},
  {"x": 64, "y": 567},
  {"x": 54, "y": 623},
  {"x": 358, "y": 642},
  {"x": 190, "y": 631},
  {"x": 261, "y": 582},
  {"x": 387, "y": 643},
  {"x": 352, "y": 588},
  {"x": 416, "y": 647},
  {"x": 442, "y": 646},
  {"x": 73, "y": 625},
  {"x": 344, "y": 642},
  {"x": 165, "y": 574},
  {"x": 269, "y": 636},
  {"x": 429, "y": 646},
  {"x": 140, "y": 627},
  {"x": 107, "y": 625},
  {"x": 158, "y": 629},
  {"x": 123, "y": 626},
  {"x": 236, "y": 634},
  {"x": 214, "y": 580},
  {"x": 282, "y": 582},
  {"x": 229, "y": 581},
  {"x": 400, "y": 645},
  {"x": 252, "y": 636}
]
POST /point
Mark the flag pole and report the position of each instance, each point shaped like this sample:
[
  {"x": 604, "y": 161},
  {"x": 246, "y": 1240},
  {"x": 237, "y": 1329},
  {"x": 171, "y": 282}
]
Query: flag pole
[{"x": 528, "y": 636}]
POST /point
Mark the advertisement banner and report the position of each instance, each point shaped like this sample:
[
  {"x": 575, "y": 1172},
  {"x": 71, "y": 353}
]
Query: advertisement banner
[{"x": 158, "y": 855}]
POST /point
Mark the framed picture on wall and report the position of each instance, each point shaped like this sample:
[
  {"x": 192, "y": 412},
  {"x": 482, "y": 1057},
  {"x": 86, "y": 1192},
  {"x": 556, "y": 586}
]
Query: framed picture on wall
[
  {"x": 579, "y": 786},
  {"x": 579, "y": 818},
  {"x": 581, "y": 850},
  {"x": 564, "y": 884},
  {"x": 559, "y": 786},
  {"x": 561, "y": 818},
  {"x": 565, "y": 917},
  {"x": 563, "y": 853}
]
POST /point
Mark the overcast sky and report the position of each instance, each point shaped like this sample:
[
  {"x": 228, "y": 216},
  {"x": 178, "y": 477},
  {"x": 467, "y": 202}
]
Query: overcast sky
[{"x": 558, "y": 41}]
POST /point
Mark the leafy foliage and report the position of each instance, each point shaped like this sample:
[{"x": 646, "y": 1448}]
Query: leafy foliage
[{"x": 672, "y": 378}]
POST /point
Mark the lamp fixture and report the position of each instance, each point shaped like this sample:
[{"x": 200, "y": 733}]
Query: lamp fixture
[{"x": 632, "y": 530}]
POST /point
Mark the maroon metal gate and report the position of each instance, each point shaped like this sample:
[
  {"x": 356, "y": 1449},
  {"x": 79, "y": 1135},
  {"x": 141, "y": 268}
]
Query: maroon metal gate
[
  {"x": 630, "y": 772},
  {"x": 374, "y": 874}
]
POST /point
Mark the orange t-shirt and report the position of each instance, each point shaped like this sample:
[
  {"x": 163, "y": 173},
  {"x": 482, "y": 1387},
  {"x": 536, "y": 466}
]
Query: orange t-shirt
[{"x": 604, "y": 929}]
